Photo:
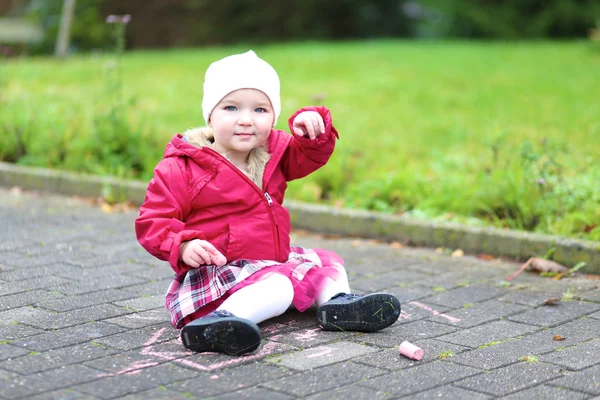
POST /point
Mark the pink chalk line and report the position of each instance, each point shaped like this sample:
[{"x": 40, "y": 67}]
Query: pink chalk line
[
  {"x": 137, "y": 366},
  {"x": 308, "y": 335},
  {"x": 404, "y": 315},
  {"x": 435, "y": 313}
]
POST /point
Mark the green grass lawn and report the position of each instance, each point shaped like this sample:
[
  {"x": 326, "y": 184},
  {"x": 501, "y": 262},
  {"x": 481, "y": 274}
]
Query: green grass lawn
[{"x": 504, "y": 134}]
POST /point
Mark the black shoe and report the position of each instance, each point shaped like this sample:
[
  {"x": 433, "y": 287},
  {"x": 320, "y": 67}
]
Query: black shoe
[
  {"x": 351, "y": 312},
  {"x": 221, "y": 332}
]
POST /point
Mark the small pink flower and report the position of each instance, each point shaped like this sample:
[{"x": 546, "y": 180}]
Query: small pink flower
[
  {"x": 111, "y": 19},
  {"x": 126, "y": 18}
]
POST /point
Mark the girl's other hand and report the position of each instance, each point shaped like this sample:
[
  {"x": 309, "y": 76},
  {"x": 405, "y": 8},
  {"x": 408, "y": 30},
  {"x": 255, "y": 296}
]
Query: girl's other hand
[
  {"x": 308, "y": 123},
  {"x": 200, "y": 252}
]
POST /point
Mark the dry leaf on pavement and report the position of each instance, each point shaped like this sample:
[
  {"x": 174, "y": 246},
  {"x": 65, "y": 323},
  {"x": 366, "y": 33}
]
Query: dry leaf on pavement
[
  {"x": 540, "y": 265},
  {"x": 552, "y": 301},
  {"x": 558, "y": 337}
]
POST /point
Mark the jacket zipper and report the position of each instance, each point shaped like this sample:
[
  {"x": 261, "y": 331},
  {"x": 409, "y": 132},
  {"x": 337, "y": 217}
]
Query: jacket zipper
[{"x": 265, "y": 194}]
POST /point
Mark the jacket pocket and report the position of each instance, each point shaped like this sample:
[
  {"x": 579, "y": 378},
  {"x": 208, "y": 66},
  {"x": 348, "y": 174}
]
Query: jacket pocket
[{"x": 228, "y": 243}]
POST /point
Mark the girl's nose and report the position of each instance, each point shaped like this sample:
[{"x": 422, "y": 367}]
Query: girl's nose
[{"x": 245, "y": 120}]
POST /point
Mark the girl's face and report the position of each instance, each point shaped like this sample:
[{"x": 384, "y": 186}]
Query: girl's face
[{"x": 241, "y": 121}]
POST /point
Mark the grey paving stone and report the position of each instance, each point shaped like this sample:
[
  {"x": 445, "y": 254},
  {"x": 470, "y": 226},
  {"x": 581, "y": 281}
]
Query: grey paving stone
[
  {"x": 450, "y": 392},
  {"x": 63, "y": 394},
  {"x": 68, "y": 336},
  {"x": 511, "y": 351},
  {"x": 587, "y": 381},
  {"x": 37, "y": 362},
  {"x": 154, "y": 287},
  {"x": 25, "y": 386},
  {"x": 104, "y": 283},
  {"x": 575, "y": 357},
  {"x": 45, "y": 259},
  {"x": 24, "y": 315},
  {"x": 350, "y": 392},
  {"x": 305, "y": 338},
  {"x": 131, "y": 339},
  {"x": 324, "y": 378},
  {"x": 27, "y": 298},
  {"x": 214, "y": 383},
  {"x": 144, "y": 303},
  {"x": 161, "y": 393},
  {"x": 546, "y": 392},
  {"x": 466, "y": 295},
  {"x": 253, "y": 393},
  {"x": 7, "y": 351},
  {"x": 78, "y": 317},
  {"x": 141, "y": 319},
  {"x": 595, "y": 315},
  {"x": 22, "y": 273},
  {"x": 512, "y": 378},
  {"x": 68, "y": 303},
  {"x": 592, "y": 295},
  {"x": 15, "y": 331},
  {"x": 419, "y": 378},
  {"x": 531, "y": 298},
  {"x": 556, "y": 314},
  {"x": 117, "y": 386},
  {"x": 323, "y": 355},
  {"x": 453, "y": 281},
  {"x": 491, "y": 332},
  {"x": 27, "y": 285},
  {"x": 381, "y": 282},
  {"x": 409, "y": 292},
  {"x": 476, "y": 314}
]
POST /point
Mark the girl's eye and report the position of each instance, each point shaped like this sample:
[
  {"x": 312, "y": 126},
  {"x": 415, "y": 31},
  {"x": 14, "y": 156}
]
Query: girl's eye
[
  {"x": 260, "y": 110},
  {"x": 230, "y": 108}
]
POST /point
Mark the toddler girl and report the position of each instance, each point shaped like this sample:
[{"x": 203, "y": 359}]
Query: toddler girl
[{"x": 214, "y": 211}]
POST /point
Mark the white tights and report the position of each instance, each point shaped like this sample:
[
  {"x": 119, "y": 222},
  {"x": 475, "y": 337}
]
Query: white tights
[{"x": 272, "y": 296}]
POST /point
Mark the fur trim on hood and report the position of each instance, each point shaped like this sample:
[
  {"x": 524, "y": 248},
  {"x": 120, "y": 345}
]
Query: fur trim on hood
[{"x": 257, "y": 159}]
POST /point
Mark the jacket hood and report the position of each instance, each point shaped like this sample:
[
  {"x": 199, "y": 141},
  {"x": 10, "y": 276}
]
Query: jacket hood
[{"x": 192, "y": 142}]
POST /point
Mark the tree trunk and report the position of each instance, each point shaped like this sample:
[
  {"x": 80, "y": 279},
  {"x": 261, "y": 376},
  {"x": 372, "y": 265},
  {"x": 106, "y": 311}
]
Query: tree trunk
[{"x": 64, "y": 33}]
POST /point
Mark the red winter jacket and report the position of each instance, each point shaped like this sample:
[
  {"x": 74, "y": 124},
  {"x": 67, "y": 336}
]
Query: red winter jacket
[{"x": 198, "y": 194}]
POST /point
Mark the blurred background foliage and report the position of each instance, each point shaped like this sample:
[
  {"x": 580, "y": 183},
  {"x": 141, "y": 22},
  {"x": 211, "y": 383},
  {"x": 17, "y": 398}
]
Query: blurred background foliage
[
  {"x": 501, "y": 130},
  {"x": 190, "y": 23}
]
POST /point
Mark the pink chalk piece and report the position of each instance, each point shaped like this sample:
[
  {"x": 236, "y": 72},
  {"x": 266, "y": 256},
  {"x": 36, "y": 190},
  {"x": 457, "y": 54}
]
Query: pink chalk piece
[
  {"x": 411, "y": 351},
  {"x": 214, "y": 377}
]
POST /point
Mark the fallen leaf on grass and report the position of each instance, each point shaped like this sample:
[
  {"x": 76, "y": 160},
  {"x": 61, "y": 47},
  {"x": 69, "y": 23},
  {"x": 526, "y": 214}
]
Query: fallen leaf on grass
[
  {"x": 457, "y": 253},
  {"x": 558, "y": 337},
  {"x": 485, "y": 257},
  {"x": 540, "y": 265}
]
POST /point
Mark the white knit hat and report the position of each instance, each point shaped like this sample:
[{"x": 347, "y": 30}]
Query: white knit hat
[{"x": 240, "y": 71}]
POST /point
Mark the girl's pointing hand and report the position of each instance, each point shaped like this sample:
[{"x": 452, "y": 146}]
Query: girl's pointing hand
[{"x": 308, "y": 124}]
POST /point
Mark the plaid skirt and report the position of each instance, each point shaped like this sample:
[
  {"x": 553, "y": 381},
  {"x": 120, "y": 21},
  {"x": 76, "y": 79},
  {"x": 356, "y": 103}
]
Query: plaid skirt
[{"x": 200, "y": 291}]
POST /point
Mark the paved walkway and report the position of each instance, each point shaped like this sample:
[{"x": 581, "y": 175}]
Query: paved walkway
[{"x": 82, "y": 317}]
